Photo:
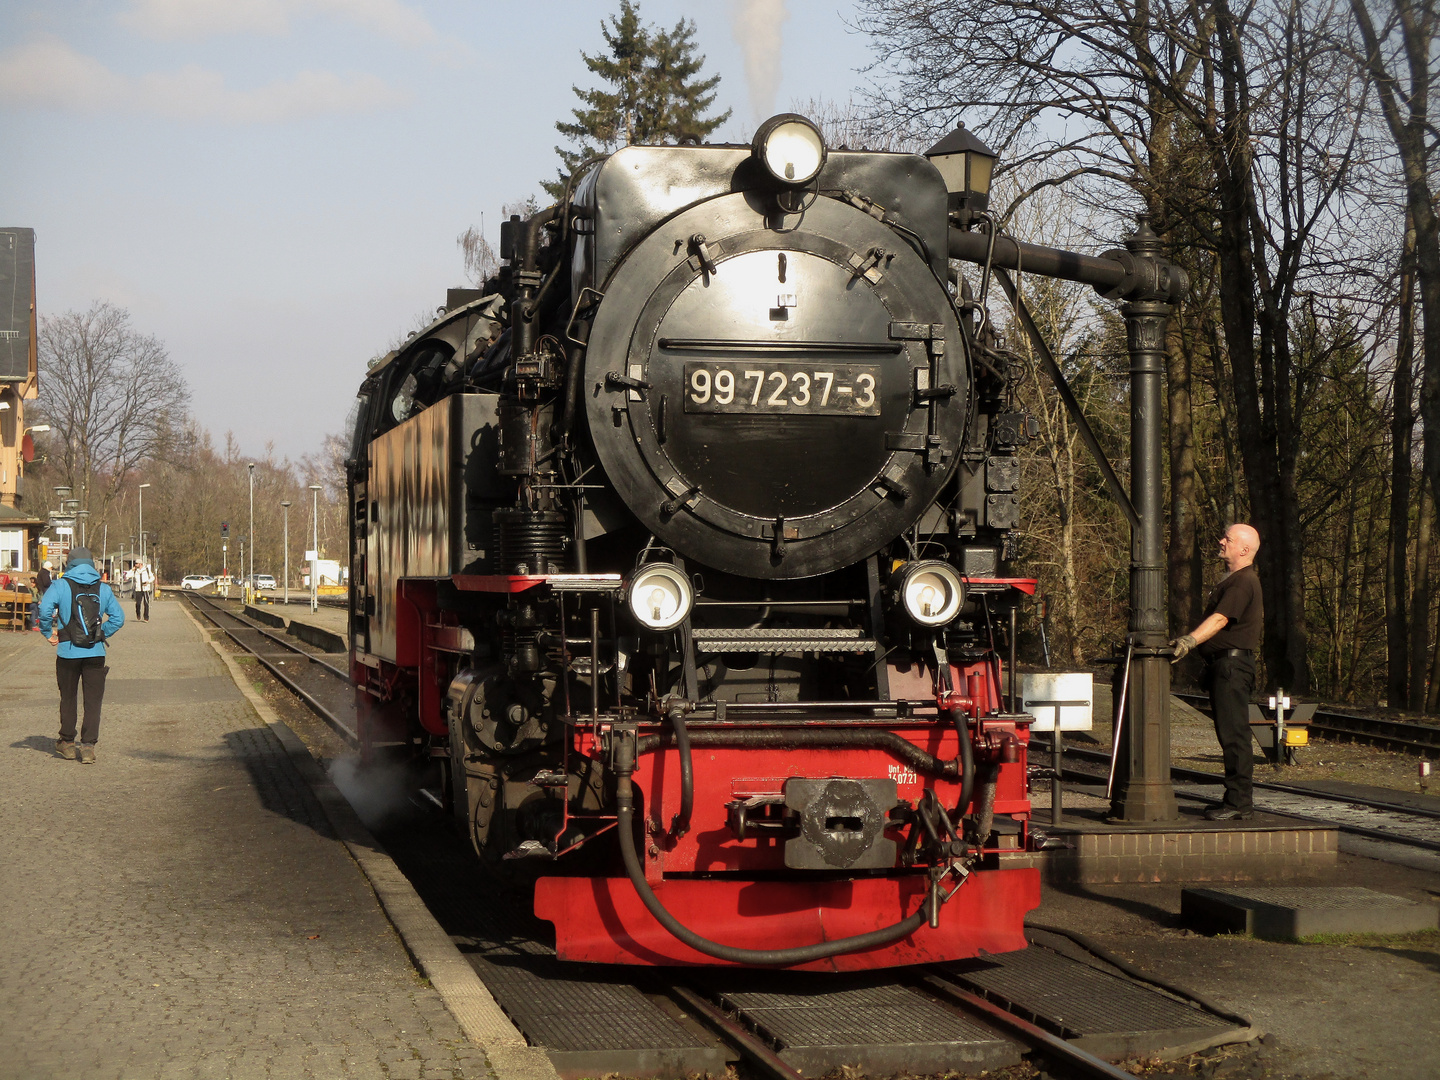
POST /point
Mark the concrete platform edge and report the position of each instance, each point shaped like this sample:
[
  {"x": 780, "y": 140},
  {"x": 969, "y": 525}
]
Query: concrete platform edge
[{"x": 435, "y": 955}]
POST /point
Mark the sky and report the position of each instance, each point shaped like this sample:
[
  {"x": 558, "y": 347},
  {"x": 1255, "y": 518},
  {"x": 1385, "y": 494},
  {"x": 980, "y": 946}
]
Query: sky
[{"x": 274, "y": 188}]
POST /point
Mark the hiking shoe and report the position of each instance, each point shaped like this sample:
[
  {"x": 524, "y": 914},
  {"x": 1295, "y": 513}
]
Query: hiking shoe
[
  {"x": 65, "y": 748},
  {"x": 87, "y": 753}
]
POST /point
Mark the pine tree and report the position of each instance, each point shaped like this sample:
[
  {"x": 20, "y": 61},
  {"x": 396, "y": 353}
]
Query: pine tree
[{"x": 654, "y": 95}]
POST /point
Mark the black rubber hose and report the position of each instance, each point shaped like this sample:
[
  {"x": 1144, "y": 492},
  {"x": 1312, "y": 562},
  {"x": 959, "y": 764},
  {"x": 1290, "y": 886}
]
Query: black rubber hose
[
  {"x": 681, "y": 825},
  {"x": 804, "y": 954},
  {"x": 967, "y": 764},
  {"x": 790, "y": 738}
]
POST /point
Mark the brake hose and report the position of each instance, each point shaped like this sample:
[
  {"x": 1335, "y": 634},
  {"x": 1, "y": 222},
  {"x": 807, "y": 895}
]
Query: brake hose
[
  {"x": 681, "y": 825},
  {"x": 625, "y": 822}
]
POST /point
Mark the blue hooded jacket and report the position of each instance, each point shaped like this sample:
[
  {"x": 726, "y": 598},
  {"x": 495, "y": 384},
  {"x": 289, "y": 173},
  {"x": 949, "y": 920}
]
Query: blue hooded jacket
[{"x": 57, "y": 604}]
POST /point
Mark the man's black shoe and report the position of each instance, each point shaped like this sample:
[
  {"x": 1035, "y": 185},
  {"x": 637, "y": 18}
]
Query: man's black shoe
[{"x": 1227, "y": 813}]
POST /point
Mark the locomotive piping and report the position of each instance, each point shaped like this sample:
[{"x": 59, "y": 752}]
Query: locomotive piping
[
  {"x": 966, "y": 758},
  {"x": 804, "y": 954},
  {"x": 681, "y": 825},
  {"x": 865, "y": 739}
]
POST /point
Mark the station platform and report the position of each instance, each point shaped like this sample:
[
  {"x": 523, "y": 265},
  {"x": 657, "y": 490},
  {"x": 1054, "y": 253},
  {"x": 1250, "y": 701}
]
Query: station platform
[
  {"x": 1093, "y": 850},
  {"x": 184, "y": 907}
]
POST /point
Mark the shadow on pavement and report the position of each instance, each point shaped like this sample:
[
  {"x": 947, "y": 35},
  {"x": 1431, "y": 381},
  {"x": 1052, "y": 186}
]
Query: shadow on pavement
[
  {"x": 44, "y": 743},
  {"x": 281, "y": 788}
]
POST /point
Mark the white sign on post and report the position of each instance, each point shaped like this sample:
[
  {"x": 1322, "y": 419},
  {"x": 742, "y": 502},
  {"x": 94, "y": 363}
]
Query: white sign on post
[
  {"x": 311, "y": 556},
  {"x": 1045, "y": 691}
]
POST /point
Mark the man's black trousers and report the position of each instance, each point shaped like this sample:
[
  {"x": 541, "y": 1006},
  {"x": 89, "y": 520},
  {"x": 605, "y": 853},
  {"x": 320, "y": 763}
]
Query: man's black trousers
[
  {"x": 142, "y": 596},
  {"x": 71, "y": 673},
  {"x": 1230, "y": 680}
]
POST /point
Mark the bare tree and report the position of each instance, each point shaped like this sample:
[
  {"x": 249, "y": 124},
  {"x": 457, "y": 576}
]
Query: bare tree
[
  {"x": 1405, "y": 43},
  {"x": 112, "y": 396},
  {"x": 1236, "y": 125},
  {"x": 481, "y": 259}
]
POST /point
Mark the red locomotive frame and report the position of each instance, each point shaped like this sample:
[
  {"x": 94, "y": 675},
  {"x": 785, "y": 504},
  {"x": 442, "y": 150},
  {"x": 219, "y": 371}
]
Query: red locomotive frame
[{"x": 718, "y": 884}]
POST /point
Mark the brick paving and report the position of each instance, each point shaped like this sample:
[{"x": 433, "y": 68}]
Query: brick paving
[{"x": 182, "y": 908}]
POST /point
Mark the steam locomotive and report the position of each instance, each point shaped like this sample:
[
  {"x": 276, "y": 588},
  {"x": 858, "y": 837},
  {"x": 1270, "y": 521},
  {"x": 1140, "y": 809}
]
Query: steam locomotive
[{"x": 680, "y": 547}]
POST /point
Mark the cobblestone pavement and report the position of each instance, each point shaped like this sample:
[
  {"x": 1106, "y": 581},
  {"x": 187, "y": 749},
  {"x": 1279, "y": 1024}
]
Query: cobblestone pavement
[{"x": 182, "y": 908}]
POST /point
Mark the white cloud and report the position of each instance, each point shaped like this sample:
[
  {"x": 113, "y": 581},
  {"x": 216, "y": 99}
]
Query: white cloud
[
  {"x": 192, "y": 19},
  {"x": 50, "y": 74}
]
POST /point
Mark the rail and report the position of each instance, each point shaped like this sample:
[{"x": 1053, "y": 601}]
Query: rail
[
  {"x": 1406, "y": 736},
  {"x": 208, "y": 609}
]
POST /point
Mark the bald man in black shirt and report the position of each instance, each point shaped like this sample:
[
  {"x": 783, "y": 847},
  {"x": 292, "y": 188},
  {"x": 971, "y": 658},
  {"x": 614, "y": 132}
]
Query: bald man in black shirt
[{"x": 1227, "y": 639}]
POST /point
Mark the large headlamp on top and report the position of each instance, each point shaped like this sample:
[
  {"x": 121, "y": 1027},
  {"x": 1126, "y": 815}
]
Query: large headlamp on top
[
  {"x": 790, "y": 148},
  {"x": 930, "y": 591},
  {"x": 660, "y": 596}
]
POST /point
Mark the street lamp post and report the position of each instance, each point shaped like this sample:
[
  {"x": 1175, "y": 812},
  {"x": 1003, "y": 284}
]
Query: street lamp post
[
  {"x": 142, "y": 521},
  {"x": 315, "y": 551},
  {"x": 286, "y": 505},
  {"x": 251, "y": 583}
]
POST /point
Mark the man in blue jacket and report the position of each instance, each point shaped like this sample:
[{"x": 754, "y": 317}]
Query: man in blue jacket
[{"x": 79, "y": 613}]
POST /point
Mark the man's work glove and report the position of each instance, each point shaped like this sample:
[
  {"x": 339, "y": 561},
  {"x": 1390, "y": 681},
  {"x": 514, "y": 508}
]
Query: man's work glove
[{"x": 1181, "y": 647}]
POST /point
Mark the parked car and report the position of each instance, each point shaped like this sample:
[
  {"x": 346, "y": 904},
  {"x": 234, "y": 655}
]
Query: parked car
[
  {"x": 265, "y": 581},
  {"x": 195, "y": 581}
]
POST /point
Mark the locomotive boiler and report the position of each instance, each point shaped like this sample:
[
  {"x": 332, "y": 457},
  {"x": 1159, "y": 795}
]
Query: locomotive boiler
[{"x": 682, "y": 548}]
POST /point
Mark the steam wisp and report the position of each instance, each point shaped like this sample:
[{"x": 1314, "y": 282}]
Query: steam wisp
[{"x": 757, "y": 25}]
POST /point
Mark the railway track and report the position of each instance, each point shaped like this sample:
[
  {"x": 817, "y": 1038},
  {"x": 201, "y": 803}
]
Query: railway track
[
  {"x": 1370, "y": 818},
  {"x": 319, "y": 678},
  {"x": 1404, "y": 736},
  {"x": 785, "y": 1026}
]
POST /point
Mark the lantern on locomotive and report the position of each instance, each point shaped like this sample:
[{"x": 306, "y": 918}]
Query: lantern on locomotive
[{"x": 680, "y": 548}]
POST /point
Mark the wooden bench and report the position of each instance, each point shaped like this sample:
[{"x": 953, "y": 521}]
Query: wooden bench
[{"x": 15, "y": 607}]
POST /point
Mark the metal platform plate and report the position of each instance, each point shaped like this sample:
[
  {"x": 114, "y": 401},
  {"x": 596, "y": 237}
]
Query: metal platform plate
[
  {"x": 1110, "y": 1016},
  {"x": 593, "y": 1024},
  {"x": 1289, "y": 913},
  {"x": 818, "y": 1024}
]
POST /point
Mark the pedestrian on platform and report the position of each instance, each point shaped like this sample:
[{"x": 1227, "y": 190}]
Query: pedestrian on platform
[
  {"x": 1227, "y": 639},
  {"x": 79, "y": 614},
  {"x": 144, "y": 580},
  {"x": 42, "y": 584}
]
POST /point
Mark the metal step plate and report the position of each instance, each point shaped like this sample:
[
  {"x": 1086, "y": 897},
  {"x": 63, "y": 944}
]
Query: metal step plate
[
  {"x": 818, "y": 1024},
  {"x": 1110, "y": 1016},
  {"x": 591, "y": 1025}
]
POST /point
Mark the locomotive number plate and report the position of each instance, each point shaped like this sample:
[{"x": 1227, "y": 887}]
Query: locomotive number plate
[{"x": 783, "y": 389}]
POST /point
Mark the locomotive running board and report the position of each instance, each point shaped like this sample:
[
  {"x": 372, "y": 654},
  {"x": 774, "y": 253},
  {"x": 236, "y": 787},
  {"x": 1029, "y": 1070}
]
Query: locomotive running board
[{"x": 602, "y": 920}]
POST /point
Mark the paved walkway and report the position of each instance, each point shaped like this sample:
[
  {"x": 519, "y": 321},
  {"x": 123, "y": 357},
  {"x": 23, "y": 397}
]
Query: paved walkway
[{"x": 182, "y": 908}]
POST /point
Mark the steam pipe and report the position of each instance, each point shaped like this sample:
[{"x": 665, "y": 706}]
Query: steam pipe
[
  {"x": 966, "y": 758},
  {"x": 1101, "y": 271},
  {"x": 527, "y": 272},
  {"x": 1118, "y": 275},
  {"x": 681, "y": 825},
  {"x": 861, "y": 739}
]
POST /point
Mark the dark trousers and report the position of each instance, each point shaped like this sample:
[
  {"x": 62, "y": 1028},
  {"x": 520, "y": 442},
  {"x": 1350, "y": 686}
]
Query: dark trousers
[
  {"x": 142, "y": 596},
  {"x": 1230, "y": 680},
  {"x": 70, "y": 674}
]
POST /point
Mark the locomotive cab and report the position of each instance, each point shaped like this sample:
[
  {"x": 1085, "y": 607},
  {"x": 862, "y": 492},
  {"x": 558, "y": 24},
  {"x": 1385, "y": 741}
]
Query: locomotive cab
[{"x": 681, "y": 549}]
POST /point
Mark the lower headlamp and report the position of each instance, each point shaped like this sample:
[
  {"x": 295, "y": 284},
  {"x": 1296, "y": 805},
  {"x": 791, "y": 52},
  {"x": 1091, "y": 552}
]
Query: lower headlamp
[
  {"x": 660, "y": 596},
  {"x": 930, "y": 591}
]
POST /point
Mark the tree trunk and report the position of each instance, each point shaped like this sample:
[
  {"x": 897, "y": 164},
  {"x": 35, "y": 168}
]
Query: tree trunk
[
  {"x": 1184, "y": 584},
  {"x": 1231, "y": 158},
  {"x": 1420, "y": 603},
  {"x": 1402, "y": 425}
]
